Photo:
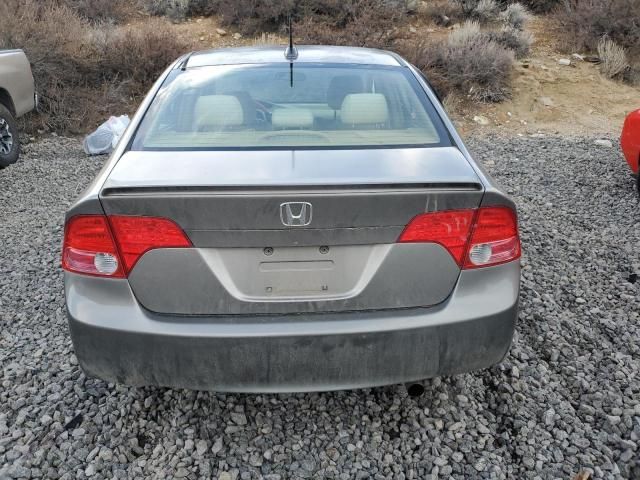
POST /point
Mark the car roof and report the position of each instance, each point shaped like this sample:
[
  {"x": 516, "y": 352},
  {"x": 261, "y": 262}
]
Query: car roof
[{"x": 306, "y": 54}]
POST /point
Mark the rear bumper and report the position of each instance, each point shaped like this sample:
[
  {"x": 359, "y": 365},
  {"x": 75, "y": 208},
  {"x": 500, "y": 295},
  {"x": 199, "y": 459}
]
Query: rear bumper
[{"x": 117, "y": 340}]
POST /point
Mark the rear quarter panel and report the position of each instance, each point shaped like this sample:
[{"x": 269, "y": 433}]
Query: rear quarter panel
[
  {"x": 630, "y": 140},
  {"x": 17, "y": 80}
]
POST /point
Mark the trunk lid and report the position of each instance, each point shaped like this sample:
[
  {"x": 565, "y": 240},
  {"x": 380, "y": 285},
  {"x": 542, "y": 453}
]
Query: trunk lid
[{"x": 292, "y": 231}]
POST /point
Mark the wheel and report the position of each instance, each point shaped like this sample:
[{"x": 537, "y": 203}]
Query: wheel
[{"x": 9, "y": 141}]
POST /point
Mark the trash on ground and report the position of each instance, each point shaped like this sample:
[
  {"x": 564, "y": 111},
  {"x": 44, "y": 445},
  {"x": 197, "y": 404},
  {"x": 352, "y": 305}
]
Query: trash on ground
[{"x": 106, "y": 136}]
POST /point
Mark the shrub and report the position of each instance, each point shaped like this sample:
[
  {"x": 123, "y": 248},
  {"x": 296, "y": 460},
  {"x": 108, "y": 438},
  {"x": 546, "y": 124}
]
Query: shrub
[
  {"x": 149, "y": 47},
  {"x": 486, "y": 11},
  {"x": 515, "y": 16},
  {"x": 173, "y": 9},
  {"x": 541, "y": 6},
  {"x": 587, "y": 21},
  {"x": 613, "y": 58},
  {"x": 467, "y": 7},
  {"x": 256, "y": 16},
  {"x": 518, "y": 41},
  {"x": 469, "y": 62},
  {"x": 443, "y": 13},
  {"x": 84, "y": 72},
  {"x": 101, "y": 10},
  {"x": 249, "y": 16}
]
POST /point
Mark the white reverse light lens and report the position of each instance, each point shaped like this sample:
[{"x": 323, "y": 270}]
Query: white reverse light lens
[
  {"x": 105, "y": 263},
  {"x": 480, "y": 254}
]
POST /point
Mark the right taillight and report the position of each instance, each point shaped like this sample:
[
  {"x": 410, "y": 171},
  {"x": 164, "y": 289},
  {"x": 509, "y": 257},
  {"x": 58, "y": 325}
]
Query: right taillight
[
  {"x": 494, "y": 238},
  {"x": 474, "y": 238}
]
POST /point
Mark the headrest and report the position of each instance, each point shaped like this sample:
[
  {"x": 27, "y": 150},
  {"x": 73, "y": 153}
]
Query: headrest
[
  {"x": 218, "y": 111},
  {"x": 288, "y": 118},
  {"x": 340, "y": 87},
  {"x": 364, "y": 109}
]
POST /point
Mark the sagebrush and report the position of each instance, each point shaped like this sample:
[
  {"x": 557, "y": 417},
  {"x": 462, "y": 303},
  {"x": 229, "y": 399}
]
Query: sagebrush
[
  {"x": 469, "y": 61},
  {"x": 85, "y": 72}
]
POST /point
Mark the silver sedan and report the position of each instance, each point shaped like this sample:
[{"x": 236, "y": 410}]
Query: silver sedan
[{"x": 275, "y": 223}]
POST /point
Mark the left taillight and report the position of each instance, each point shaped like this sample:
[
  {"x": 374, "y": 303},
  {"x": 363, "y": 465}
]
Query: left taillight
[
  {"x": 89, "y": 247},
  {"x": 110, "y": 246}
]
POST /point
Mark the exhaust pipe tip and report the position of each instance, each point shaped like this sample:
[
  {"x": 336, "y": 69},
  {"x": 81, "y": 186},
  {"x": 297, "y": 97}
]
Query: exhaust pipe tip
[{"x": 415, "y": 389}]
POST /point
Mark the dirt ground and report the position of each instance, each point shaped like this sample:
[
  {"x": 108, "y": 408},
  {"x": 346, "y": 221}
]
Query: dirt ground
[{"x": 552, "y": 98}]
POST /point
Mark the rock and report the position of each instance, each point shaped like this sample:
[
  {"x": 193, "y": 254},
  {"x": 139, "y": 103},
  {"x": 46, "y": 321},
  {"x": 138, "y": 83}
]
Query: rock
[
  {"x": 412, "y": 5},
  {"x": 577, "y": 359},
  {"x": 577, "y": 56},
  {"x": 237, "y": 36},
  {"x": 481, "y": 120},
  {"x": 546, "y": 101},
  {"x": 221, "y": 31},
  {"x": 201, "y": 447},
  {"x": 565, "y": 62},
  {"x": 604, "y": 143},
  {"x": 239, "y": 418},
  {"x": 217, "y": 446},
  {"x": 412, "y": 29},
  {"x": 182, "y": 473}
]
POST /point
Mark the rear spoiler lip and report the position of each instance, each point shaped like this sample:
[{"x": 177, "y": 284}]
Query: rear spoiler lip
[{"x": 297, "y": 188}]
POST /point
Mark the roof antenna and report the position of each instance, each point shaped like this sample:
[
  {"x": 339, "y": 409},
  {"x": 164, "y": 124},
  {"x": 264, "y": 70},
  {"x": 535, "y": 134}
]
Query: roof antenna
[{"x": 291, "y": 53}]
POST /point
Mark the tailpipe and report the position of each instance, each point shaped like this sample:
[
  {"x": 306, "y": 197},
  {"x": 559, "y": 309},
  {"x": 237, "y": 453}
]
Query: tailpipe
[{"x": 415, "y": 389}]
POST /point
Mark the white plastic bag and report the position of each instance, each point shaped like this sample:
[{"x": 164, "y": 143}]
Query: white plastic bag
[{"x": 106, "y": 136}]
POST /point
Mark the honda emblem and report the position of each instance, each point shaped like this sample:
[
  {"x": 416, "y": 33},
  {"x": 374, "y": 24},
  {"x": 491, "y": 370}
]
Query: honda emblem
[{"x": 295, "y": 214}]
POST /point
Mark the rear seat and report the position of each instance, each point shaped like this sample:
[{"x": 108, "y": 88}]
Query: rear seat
[
  {"x": 218, "y": 112},
  {"x": 364, "y": 110},
  {"x": 291, "y": 119}
]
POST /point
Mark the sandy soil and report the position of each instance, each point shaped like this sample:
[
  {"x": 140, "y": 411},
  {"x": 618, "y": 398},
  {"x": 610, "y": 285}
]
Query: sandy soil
[{"x": 552, "y": 98}]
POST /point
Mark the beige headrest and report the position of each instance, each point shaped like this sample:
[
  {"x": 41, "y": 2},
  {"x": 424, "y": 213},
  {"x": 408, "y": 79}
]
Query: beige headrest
[
  {"x": 218, "y": 111},
  {"x": 288, "y": 118},
  {"x": 364, "y": 109}
]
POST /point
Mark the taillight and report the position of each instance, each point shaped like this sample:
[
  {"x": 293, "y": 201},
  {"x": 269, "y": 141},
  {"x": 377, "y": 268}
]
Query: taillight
[
  {"x": 494, "y": 239},
  {"x": 89, "y": 247},
  {"x": 449, "y": 228},
  {"x": 110, "y": 247},
  {"x": 474, "y": 238},
  {"x": 137, "y": 235}
]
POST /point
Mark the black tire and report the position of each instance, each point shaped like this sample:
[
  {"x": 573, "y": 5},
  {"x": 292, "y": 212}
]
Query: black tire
[{"x": 9, "y": 140}]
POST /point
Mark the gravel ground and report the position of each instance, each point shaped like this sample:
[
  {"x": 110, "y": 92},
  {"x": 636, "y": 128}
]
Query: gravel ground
[{"x": 566, "y": 398}]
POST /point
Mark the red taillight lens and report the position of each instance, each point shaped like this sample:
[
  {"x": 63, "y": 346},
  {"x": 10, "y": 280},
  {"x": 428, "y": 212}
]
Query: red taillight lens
[
  {"x": 449, "y": 228},
  {"x": 494, "y": 239},
  {"x": 95, "y": 245},
  {"x": 474, "y": 238},
  {"x": 137, "y": 235},
  {"x": 89, "y": 247}
]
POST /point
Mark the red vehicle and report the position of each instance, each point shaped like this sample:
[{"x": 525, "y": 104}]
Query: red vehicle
[{"x": 630, "y": 141}]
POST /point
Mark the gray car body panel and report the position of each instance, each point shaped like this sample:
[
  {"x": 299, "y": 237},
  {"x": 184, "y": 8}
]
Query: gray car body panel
[
  {"x": 117, "y": 339},
  {"x": 361, "y": 199},
  {"x": 306, "y": 54},
  {"x": 308, "y": 339},
  {"x": 229, "y": 281}
]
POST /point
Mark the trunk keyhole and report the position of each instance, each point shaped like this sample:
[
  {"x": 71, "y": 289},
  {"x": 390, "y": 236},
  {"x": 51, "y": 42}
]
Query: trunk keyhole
[
  {"x": 324, "y": 250},
  {"x": 268, "y": 251}
]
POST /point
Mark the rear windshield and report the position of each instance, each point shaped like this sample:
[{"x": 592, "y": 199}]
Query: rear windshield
[{"x": 290, "y": 106}]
